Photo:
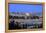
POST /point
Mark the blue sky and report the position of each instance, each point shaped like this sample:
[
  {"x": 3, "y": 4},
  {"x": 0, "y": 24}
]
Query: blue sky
[{"x": 25, "y": 8}]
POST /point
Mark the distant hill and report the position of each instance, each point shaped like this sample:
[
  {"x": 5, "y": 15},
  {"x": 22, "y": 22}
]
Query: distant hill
[{"x": 33, "y": 14}]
